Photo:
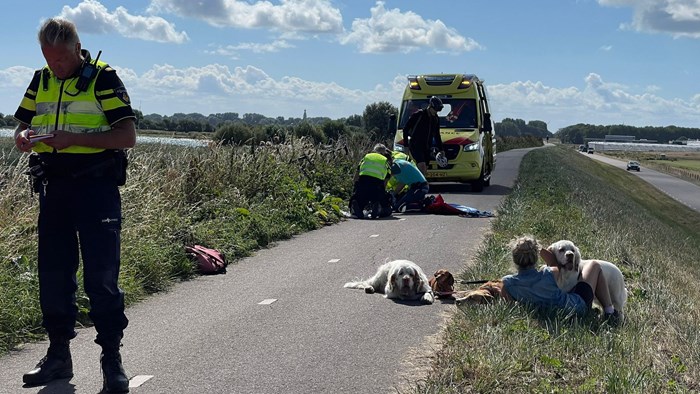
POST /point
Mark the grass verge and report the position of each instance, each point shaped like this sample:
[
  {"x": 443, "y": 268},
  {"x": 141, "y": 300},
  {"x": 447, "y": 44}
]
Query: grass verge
[{"x": 610, "y": 215}]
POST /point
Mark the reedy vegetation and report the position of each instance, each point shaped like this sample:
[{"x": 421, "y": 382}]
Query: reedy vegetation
[{"x": 610, "y": 215}]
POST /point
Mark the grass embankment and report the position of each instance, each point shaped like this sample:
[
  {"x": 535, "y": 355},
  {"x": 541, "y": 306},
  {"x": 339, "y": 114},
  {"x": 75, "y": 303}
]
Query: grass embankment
[
  {"x": 236, "y": 200},
  {"x": 611, "y": 215}
]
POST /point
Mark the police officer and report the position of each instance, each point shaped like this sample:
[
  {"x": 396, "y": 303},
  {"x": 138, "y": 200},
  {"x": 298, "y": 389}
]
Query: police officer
[
  {"x": 370, "y": 184},
  {"x": 423, "y": 128},
  {"x": 80, "y": 108}
]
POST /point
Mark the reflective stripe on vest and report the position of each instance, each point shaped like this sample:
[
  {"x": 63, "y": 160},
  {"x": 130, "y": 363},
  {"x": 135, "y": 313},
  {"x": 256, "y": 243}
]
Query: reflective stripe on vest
[
  {"x": 60, "y": 106},
  {"x": 374, "y": 165}
]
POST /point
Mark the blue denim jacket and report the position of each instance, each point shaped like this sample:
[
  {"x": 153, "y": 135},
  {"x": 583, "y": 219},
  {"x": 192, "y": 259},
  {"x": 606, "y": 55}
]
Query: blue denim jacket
[{"x": 539, "y": 288}]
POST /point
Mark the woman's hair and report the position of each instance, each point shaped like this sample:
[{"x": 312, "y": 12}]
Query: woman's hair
[
  {"x": 525, "y": 251},
  {"x": 55, "y": 31}
]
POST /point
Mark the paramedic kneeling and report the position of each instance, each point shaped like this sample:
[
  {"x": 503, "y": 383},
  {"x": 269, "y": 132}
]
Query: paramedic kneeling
[
  {"x": 406, "y": 173},
  {"x": 82, "y": 110},
  {"x": 370, "y": 184}
]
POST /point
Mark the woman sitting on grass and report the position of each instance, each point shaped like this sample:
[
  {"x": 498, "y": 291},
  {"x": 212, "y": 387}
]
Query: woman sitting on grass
[{"x": 539, "y": 287}]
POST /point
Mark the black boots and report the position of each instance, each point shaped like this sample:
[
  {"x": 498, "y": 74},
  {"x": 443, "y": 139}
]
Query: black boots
[
  {"x": 113, "y": 375},
  {"x": 57, "y": 364}
]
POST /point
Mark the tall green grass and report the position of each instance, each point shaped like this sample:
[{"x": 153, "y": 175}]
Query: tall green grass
[
  {"x": 235, "y": 199},
  {"x": 610, "y": 215}
]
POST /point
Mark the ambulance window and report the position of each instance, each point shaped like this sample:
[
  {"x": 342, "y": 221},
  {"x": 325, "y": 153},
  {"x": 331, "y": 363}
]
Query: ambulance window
[
  {"x": 410, "y": 107},
  {"x": 458, "y": 113}
]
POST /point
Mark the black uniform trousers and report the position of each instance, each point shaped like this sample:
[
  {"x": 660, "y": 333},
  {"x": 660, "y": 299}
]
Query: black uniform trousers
[
  {"x": 81, "y": 217},
  {"x": 369, "y": 189}
]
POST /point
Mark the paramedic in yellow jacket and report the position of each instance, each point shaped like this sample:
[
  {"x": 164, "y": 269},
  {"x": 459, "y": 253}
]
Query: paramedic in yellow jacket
[
  {"x": 80, "y": 108},
  {"x": 370, "y": 184}
]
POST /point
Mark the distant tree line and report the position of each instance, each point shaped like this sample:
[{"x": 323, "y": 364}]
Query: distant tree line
[
  {"x": 230, "y": 127},
  {"x": 251, "y": 128},
  {"x": 517, "y": 128},
  {"x": 7, "y": 121},
  {"x": 578, "y": 133}
]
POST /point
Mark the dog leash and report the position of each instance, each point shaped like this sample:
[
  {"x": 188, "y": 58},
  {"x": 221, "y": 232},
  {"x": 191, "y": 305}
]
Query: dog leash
[{"x": 473, "y": 282}]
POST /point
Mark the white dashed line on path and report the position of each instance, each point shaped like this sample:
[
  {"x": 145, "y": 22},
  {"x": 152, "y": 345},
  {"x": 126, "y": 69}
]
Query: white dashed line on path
[
  {"x": 333, "y": 260},
  {"x": 267, "y": 301},
  {"x": 138, "y": 380},
  {"x": 374, "y": 235}
]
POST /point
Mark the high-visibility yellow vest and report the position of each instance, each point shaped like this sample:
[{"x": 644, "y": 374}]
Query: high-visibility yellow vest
[
  {"x": 374, "y": 165},
  {"x": 61, "y": 106},
  {"x": 399, "y": 155}
]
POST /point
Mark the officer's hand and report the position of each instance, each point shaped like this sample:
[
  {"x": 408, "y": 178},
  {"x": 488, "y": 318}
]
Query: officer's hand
[
  {"x": 61, "y": 140},
  {"x": 22, "y": 140}
]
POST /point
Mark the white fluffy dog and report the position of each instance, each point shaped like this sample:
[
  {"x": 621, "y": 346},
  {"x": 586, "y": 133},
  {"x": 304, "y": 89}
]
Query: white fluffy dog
[
  {"x": 568, "y": 258},
  {"x": 398, "y": 279}
]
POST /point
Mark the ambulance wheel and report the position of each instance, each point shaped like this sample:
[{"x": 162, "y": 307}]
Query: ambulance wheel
[
  {"x": 487, "y": 180},
  {"x": 478, "y": 185}
]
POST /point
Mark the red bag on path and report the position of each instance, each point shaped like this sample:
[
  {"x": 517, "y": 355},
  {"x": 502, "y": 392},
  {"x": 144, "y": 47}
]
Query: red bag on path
[{"x": 209, "y": 261}]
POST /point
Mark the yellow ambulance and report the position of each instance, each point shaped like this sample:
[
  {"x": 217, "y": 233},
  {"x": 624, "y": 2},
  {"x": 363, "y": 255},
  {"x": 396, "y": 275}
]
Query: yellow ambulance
[{"x": 466, "y": 128}]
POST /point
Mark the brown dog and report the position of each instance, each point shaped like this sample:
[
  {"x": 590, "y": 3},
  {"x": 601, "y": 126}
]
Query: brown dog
[
  {"x": 486, "y": 293},
  {"x": 442, "y": 284}
]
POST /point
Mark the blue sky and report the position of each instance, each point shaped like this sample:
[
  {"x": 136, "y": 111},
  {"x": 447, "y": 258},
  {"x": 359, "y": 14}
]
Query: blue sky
[{"x": 634, "y": 62}]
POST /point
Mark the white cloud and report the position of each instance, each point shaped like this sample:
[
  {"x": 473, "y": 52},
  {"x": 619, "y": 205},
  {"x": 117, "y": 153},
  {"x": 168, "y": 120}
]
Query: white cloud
[
  {"x": 250, "y": 89},
  {"x": 681, "y": 18},
  {"x": 13, "y": 83},
  {"x": 598, "y": 102},
  {"x": 91, "y": 16},
  {"x": 165, "y": 89},
  {"x": 606, "y": 48},
  {"x": 309, "y": 16},
  {"x": 396, "y": 31},
  {"x": 233, "y": 50},
  {"x": 16, "y": 76}
]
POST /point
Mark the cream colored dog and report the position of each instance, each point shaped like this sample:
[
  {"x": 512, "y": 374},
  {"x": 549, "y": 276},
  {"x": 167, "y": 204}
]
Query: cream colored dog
[
  {"x": 565, "y": 255},
  {"x": 398, "y": 279}
]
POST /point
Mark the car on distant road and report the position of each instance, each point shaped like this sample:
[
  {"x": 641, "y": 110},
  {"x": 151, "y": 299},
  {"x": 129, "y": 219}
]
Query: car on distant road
[
  {"x": 590, "y": 151},
  {"x": 633, "y": 166}
]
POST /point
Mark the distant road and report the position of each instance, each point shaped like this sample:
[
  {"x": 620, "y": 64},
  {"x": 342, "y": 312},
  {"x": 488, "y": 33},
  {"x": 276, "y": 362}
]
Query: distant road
[{"x": 683, "y": 191}]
